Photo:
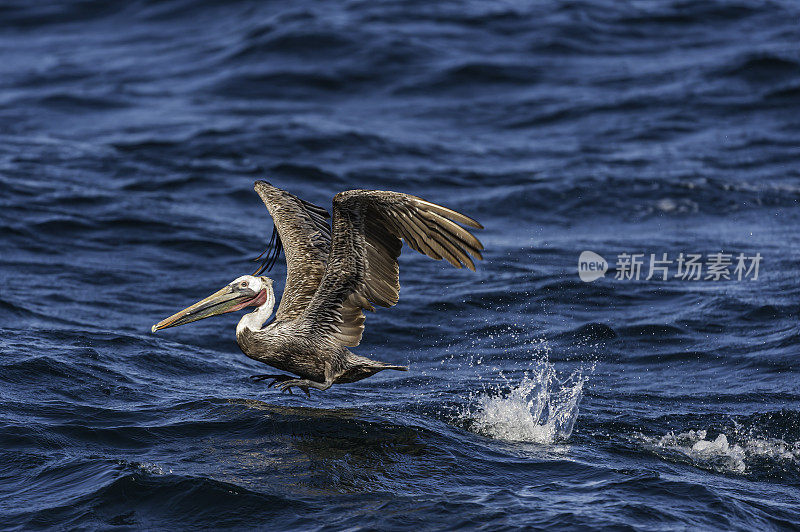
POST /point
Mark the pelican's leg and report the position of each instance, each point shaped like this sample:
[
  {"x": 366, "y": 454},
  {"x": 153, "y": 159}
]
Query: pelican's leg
[
  {"x": 275, "y": 378},
  {"x": 305, "y": 384}
]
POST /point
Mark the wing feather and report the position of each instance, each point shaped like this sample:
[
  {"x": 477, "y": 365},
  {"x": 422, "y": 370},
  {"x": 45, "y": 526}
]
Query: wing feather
[
  {"x": 369, "y": 227},
  {"x": 302, "y": 230}
]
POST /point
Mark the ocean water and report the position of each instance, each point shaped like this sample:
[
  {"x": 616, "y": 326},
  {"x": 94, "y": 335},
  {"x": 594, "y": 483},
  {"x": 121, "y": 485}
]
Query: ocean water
[{"x": 131, "y": 135}]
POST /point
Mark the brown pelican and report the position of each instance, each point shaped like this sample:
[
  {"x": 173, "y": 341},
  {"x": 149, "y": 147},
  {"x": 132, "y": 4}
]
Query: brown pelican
[{"x": 332, "y": 275}]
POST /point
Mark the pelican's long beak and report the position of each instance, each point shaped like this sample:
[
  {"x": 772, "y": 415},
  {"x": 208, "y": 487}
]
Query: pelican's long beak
[{"x": 226, "y": 300}]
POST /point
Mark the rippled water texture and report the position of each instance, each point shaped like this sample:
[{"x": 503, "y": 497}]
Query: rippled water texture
[{"x": 130, "y": 137}]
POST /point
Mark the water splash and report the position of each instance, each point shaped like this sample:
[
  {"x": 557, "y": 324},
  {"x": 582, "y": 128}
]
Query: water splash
[
  {"x": 539, "y": 409},
  {"x": 721, "y": 455}
]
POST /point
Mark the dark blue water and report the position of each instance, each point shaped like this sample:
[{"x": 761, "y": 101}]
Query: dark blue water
[{"x": 130, "y": 137}]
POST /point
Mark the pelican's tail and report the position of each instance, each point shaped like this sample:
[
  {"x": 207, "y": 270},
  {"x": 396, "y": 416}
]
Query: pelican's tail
[
  {"x": 363, "y": 367},
  {"x": 392, "y": 366}
]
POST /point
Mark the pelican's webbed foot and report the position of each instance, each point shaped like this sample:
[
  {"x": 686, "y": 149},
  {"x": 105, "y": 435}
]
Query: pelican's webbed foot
[{"x": 303, "y": 384}]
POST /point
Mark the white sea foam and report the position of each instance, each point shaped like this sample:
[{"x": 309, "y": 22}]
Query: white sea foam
[
  {"x": 153, "y": 469},
  {"x": 538, "y": 409},
  {"x": 720, "y": 454}
]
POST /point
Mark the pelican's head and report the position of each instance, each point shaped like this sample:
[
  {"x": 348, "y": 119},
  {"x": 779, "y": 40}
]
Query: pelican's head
[{"x": 245, "y": 291}]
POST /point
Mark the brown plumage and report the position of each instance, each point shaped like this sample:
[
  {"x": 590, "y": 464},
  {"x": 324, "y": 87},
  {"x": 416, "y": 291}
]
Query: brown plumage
[{"x": 333, "y": 274}]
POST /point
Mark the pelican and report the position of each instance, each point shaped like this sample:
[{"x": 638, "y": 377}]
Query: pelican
[{"x": 333, "y": 273}]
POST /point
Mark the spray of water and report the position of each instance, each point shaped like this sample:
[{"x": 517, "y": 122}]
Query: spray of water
[
  {"x": 538, "y": 409},
  {"x": 720, "y": 454},
  {"x": 529, "y": 403}
]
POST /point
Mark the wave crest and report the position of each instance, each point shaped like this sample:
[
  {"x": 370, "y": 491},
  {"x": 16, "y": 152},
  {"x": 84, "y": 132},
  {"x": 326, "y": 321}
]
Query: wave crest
[{"x": 740, "y": 455}]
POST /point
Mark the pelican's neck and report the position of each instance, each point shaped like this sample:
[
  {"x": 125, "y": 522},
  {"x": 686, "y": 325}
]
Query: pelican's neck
[{"x": 253, "y": 321}]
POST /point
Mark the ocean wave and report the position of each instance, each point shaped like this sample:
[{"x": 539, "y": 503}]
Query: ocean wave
[
  {"x": 645, "y": 198},
  {"x": 757, "y": 457},
  {"x": 130, "y": 494},
  {"x": 762, "y": 68},
  {"x": 131, "y": 137}
]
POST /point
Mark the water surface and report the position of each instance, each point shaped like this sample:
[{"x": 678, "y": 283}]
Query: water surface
[{"x": 130, "y": 137}]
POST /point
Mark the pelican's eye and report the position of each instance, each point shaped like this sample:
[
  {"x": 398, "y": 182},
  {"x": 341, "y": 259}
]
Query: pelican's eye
[{"x": 243, "y": 284}]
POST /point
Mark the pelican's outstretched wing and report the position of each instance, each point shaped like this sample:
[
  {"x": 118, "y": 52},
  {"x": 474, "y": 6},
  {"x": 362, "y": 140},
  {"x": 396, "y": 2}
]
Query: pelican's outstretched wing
[
  {"x": 362, "y": 265},
  {"x": 303, "y": 231}
]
